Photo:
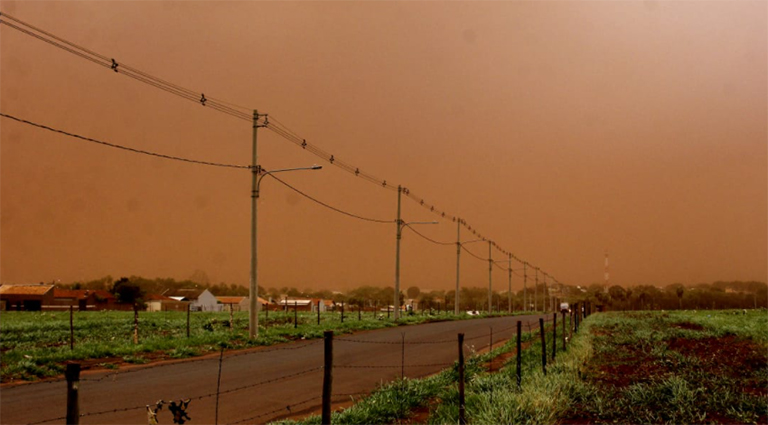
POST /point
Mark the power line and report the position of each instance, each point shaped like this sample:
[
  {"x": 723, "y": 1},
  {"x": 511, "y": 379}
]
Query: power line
[
  {"x": 228, "y": 108},
  {"x": 373, "y": 220},
  {"x": 126, "y": 148},
  {"x": 429, "y": 239}
]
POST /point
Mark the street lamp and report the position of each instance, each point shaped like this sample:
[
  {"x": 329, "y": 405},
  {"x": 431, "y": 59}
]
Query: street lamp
[
  {"x": 458, "y": 261},
  {"x": 258, "y": 175}
]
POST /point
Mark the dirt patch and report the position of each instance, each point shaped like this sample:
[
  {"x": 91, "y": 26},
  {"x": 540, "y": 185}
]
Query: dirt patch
[
  {"x": 688, "y": 326},
  {"x": 727, "y": 356}
]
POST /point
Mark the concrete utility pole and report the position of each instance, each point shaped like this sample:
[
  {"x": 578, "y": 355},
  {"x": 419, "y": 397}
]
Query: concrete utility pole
[
  {"x": 400, "y": 225},
  {"x": 397, "y": 255},
  {"x": 253, "y": 315},
  {"x": 257, "y": 175},
  {"x": 490, "y": 277}
]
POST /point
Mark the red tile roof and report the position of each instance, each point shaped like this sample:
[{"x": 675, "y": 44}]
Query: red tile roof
[{"x": 25, "y": 289}]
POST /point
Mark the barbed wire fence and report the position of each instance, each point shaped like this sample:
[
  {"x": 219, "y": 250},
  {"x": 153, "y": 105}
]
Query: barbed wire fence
[{"x": 181, "y": 407}]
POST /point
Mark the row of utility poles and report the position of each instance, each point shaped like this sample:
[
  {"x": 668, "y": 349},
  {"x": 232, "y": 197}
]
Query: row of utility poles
[{"x": 257, "y": 174}]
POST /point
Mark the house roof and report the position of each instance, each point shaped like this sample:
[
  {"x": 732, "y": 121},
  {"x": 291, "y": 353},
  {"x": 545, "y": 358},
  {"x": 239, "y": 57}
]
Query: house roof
[
  {"x": 231, "y": 300},
  {"x": 25, "y": 289},
  {"x": 80, "y": 293},
  {"x": 158, "y": 297},
  {"x": 188, "y": 293}
]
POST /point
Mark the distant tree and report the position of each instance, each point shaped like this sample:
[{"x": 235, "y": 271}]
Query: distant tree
[
  {"x": 413, "y": 292},
  {"x": 128, "y": 292},
  {"x": 617, "y": 293}
]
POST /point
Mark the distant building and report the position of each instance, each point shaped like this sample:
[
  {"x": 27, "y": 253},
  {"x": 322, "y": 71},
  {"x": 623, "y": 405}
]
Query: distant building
[
  {"x": 199, "y": 299},
  {"x": 304, "y": 304},
  {"x": 157, "y": 302},
  {"x": 26, "y": 297},
  {"x": 84, "y": 299},
  {"x": 236, "y": 303}
]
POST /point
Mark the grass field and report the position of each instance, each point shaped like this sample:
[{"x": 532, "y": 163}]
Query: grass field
[
  {"x": 631, "y": 368},
  {"x": 36, "y": 345}
]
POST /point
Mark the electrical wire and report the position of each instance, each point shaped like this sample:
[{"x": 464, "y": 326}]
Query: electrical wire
[
  {"x": 228, "y": 108},
  {"x": 126, "y": 148},
  {"x": 428, "y": 238},
  {"x": 373, "y": 220}
]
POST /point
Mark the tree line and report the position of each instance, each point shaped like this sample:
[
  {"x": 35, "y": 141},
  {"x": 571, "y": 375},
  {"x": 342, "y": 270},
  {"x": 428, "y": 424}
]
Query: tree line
[{"x": 716, "y": 295}]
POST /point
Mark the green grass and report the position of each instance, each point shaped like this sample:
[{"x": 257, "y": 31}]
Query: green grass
[
  {"x": 35, "y": 345},
  {"x": 664, "y": 368}
]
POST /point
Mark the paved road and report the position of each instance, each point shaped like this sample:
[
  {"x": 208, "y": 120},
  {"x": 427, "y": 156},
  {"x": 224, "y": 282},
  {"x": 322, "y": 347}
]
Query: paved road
[{"x": 256, "y": 386}]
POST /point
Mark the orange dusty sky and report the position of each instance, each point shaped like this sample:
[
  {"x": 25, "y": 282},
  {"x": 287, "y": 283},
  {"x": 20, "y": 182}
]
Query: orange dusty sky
[{"x": 559, "y": 130}]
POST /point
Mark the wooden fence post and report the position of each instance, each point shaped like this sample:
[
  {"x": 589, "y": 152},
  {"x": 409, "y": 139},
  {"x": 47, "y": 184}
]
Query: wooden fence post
[
  {"x": 73, "y": 386},
  {"x": 543, "y": 346},
  {"x": 327, "y": 377},
  {"x": 295, "y": 314},
  {"x": 342, "y": 312},
  {"x": 318, "y": 311},
  {"x": 519, "y": 352},
  {"x": 462, "y": 407}
]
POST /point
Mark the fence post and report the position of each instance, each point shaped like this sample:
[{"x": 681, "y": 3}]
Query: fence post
[
  {"x": 295, "y": 314},
  {"x": 359, "y": 314},
  {"x": 563, "y": 330},
  {"x": 218, "y": 384},
  {"x": 135, "y": 323},
  {"x": 342, "y": 312},
  {"x": 554, "y": 336},
  {"x": 71, "y": 327},
  {"x": 318, "y": 312},
  {"x": 327, "y": 377},
  {"x": 187, "y": 320},
  {"x": 543, "y": 346},
  {"x": 462, "y": 407},
  {"x": 73, "y": 386},
  {"x": 519, "y": 352}
]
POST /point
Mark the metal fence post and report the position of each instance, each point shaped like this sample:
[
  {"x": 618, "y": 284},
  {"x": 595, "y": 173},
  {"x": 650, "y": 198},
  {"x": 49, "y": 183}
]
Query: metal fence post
[
  {"x": 73, "y": 386},
  {"x": 462, "y": 407},
  {"x": 327, "y": 377}
]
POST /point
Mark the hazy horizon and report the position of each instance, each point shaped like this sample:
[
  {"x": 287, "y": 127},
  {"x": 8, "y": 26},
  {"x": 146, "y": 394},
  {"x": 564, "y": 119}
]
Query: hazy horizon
[{"x": 559, "y": 130}]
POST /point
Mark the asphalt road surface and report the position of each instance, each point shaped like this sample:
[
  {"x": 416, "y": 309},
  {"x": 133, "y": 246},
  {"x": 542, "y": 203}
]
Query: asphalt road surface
[{"x": 260, "y": 385}]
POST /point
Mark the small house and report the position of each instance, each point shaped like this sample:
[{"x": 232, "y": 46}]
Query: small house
[
  {"x": 199, "y": 299},
  {"x": 26, "y": 297}
]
